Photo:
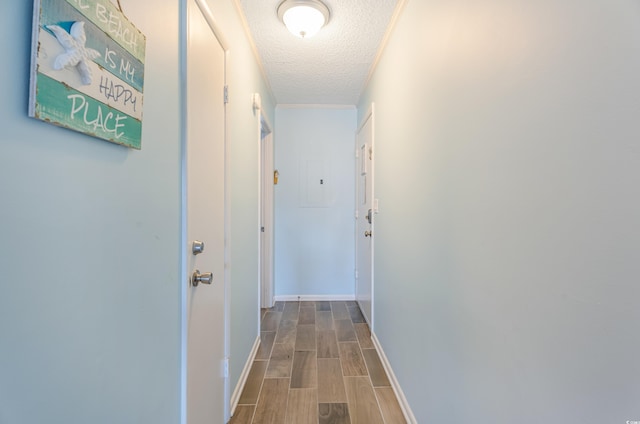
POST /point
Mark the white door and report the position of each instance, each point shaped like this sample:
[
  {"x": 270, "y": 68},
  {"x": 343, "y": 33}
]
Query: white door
[
  {"x": 364, "y": 220},
  {"x": 205, "y": 176},
  {"x": 266, "y": 216}
]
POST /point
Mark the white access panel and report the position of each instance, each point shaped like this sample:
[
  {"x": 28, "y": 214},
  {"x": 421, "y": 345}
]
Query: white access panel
[{"x": 317, "y": 189}]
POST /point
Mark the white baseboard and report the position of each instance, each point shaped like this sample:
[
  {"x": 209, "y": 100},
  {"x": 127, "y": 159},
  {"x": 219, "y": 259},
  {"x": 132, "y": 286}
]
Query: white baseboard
[
  {"x": 235, "y": 398},
  {"x": 402, "y": 400},
  {"x": 315, "y": 297}
]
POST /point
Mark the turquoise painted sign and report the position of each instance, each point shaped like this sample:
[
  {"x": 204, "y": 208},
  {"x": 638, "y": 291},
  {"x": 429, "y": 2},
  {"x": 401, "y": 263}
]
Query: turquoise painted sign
[{"x": 87, "y": 69}]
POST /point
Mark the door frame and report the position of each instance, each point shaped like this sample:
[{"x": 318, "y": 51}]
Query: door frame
[
  {"x": 184, "y": 269},
  {"x": 369, "y": 116},
  {"x": 266, "y": 231}
]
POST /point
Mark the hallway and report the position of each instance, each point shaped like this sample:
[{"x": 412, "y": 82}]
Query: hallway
[
  {"x": 506, "y": 141},
  {"x": 316, "y": 364}
]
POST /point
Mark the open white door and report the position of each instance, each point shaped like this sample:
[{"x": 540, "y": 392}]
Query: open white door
[
  {"x": 364, "y": 217},
  {"x": 204, "y": 366}
]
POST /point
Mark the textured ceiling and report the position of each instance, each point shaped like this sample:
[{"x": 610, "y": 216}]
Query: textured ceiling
[{"x": 329, "y": 68}]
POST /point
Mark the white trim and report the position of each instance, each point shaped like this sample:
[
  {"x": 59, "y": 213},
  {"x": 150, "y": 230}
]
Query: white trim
[
  {"x": 387, "y": 35},
  {"x": 315, "y": 297},
  {"x": 315, "y": 106},
  {"x": 227, "y": 250},
  {"x": 402, "y": 400},
  {"x": 366, "y": 117},
  {"x": 235, "y": 398},
  {"x": 264, "y": 121},
  {"x": 184, "y": 40},
  {"x": 206, "y": 12}
]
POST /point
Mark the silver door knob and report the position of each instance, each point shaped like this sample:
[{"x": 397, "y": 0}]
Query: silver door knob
[
  {"x": 197, "y": 247},
  {"x": 368, "y": 233},
  {"x": 204, "y": 278}
]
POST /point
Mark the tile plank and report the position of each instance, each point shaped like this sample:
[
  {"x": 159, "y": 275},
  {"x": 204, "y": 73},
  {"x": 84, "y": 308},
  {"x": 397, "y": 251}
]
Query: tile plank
[
  {"x": 364, "y": 335},
  {"x": 363, "y": 405},
  {"x": 327, "y": 344},
  {"x": 324, "y": 320},
  {"x": 376, "y": 370},
  {"x": 290, "y": 311},
  {"x": 302, "y": 407},
  {"x": 280, "y": 362},
  {"x": 356, "y": 315},
  {"x": 330, "y": 382},
  {"x": 345, "y": 331},
  {"x": 286, "y": 332},
  {"x": 307, "y": 315},
  {"x": 391, "y": 411},
  {"x": 251, "y": 389},
  {"x": 266, "y": 343},
  {"x": 352, "y": 361},
  {"x": 272, "y": 404},
  {"x": 306, "y": 337},
  {"x": 243, "y": 414},
  {"x": 270, "y": 321},
  {"x": 323, "y": 306},
  {"x": 304, "y": 373},
  {"x": 340, "y": 310},
  {"x": 333, "y": 413},
  {"x": 291, "y": 305}
]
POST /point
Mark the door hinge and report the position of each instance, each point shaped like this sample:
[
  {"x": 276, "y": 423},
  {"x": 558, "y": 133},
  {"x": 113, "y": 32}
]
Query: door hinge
[
  {"x": 262, "y": 229},
  {"x": 226, "y": 94},
  {"x": 356, "y": 274},
  {"x": 357, "y": 153},
  {"x": 225, "y": 367},
  {"x": 357, "y": 214}
]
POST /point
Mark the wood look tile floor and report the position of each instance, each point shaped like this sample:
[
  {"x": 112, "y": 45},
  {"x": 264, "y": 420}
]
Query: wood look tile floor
[{"x": 316, "y": 364}]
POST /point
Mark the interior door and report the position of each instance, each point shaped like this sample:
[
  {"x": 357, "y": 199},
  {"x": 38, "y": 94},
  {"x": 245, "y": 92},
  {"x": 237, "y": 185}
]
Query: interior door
[
  {"x": 364, "y": 220},
  {"x": 266, "y": 216},
  {"x": 205, "y": 176}
]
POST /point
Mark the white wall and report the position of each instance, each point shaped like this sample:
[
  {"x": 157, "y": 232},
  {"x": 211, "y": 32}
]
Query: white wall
[
  {"x": 90, "y": 239},
  {"x": 89, "y": 248},
  {"x": 314, "y": 248},
  {"x": 507, "y": 168}
]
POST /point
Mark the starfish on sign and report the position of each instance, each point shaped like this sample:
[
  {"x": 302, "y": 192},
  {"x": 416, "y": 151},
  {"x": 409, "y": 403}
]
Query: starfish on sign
[{"x": 76, "y": 53}]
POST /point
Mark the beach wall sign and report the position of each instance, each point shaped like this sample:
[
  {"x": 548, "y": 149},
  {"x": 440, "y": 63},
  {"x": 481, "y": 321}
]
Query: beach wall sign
[{"x": 87, "y": 69}]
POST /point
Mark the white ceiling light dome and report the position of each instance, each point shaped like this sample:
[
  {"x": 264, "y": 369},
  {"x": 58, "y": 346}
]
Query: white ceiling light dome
[{"x": 303, "y": 18}]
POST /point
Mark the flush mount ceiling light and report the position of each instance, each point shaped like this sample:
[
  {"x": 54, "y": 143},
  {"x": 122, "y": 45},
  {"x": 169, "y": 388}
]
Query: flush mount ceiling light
[{"x": 303, "y": 18}]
